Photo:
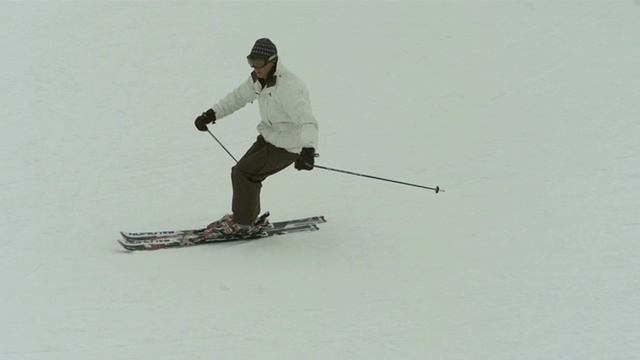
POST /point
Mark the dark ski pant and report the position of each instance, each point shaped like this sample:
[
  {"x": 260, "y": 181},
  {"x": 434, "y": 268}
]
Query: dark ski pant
[{"x": 261, "y": 161}]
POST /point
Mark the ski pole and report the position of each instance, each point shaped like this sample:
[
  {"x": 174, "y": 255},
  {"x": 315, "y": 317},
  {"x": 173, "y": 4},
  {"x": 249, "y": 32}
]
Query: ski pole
[
  {"x": 436, "y": 189},
  {"x": 225, "y": 149}
]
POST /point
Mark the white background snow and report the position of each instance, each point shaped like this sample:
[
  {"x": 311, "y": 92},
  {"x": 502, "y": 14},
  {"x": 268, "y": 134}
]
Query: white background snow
[{"x": 526, "y": 113}]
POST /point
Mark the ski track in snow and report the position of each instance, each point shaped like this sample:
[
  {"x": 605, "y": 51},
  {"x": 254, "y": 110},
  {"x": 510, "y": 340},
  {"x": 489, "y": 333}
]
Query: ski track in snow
[{"x": 523, "y": 112}]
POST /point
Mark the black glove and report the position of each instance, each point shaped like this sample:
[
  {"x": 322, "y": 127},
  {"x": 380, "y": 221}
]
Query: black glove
[
  {"x": 207, "y": 117},
  {"x": 306, "y": 159}
]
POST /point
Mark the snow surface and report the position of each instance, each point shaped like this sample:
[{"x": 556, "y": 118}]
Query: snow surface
[{"x": 526, "y": 113}]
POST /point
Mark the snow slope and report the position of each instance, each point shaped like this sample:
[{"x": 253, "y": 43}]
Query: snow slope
[{"x": 526, "y": 113}]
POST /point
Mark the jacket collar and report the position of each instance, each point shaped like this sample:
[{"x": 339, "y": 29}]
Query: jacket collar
[{"x": 270, "y": 80}]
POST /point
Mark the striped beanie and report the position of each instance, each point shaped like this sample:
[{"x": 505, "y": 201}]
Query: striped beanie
[{"x": 264, "y": 48}]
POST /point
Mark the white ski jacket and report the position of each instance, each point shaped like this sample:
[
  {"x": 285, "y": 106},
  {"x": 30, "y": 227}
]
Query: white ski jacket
[{"x": 285, "y": 109}]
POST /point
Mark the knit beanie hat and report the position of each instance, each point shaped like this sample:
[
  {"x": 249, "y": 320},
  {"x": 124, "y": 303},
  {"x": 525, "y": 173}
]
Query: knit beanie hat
[{"x": 264, "y": 49}]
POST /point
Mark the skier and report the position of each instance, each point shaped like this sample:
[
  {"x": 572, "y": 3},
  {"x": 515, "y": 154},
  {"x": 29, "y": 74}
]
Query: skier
[{"x": 288, "y": 134}]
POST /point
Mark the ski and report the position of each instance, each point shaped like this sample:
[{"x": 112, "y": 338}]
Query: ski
[
  {"x": 152, "y": 240},
  {"x": 190, "y": 239},
  {"x": 134, "y": 236}
]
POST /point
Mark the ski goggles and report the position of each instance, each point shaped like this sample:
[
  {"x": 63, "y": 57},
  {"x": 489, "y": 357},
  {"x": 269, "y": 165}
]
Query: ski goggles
[{"x": 258, "y": 63}]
